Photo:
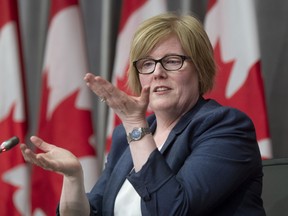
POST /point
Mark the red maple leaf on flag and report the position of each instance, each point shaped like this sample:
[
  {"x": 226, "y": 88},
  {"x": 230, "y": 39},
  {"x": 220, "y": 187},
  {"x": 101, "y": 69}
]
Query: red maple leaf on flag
[
  {"x": 67, "y": 134},
  {"x": 128, "y": 8},
  {"x": 68, "y": 131},
  {"x": 9, "y": 126},
  {"x": 245, "y": 97}
]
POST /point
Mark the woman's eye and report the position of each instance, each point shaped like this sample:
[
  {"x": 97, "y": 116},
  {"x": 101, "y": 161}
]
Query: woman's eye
[
  {"x": 173, "y": 61},
  {"x": 147, "y": 64}
]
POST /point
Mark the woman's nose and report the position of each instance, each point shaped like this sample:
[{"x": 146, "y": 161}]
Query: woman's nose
[{"x": 159, "y": 71}]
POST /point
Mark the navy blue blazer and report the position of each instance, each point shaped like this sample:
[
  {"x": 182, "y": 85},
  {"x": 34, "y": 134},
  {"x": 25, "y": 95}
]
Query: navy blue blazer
[{"x": 210, "y": 164}]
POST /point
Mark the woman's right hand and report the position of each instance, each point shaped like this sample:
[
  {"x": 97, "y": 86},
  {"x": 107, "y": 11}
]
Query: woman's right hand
[
  {"x": 130, "y": 109},
  {"x": 52, "y": 158}
]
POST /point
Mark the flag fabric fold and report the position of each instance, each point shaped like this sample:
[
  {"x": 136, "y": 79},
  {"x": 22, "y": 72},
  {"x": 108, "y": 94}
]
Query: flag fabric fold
[
  {"x": 65, "y": 113},
  {"x": 232, "y": 29},
  {"x": 132, "y": 14},
  {"x": 14, "y": 181}
]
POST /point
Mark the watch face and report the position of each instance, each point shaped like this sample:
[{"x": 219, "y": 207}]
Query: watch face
[{"x": 136, "y": 134}]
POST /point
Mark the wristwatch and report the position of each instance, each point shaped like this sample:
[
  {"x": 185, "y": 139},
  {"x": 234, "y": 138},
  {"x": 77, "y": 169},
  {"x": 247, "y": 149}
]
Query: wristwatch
[{"x": 137, "y": 134}]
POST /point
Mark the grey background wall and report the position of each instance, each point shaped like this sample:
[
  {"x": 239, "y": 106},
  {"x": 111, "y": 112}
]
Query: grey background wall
[{"x": 101, "y": 21}]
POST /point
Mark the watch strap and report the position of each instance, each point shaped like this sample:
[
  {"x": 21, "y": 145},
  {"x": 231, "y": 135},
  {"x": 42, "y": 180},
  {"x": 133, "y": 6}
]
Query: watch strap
[{"x": 142, "y": 130}]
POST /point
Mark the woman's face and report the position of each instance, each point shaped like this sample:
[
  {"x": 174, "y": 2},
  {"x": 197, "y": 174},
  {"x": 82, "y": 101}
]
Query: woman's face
[{"x": 171, "y": 91}]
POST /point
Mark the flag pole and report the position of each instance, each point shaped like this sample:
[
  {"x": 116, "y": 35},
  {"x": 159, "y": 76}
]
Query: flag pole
[
  {"x": 105, "y": 53},
  {"x": 186, "y": 6}
]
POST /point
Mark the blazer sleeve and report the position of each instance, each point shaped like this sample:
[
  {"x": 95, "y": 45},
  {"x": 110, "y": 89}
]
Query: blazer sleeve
[{"x": 214, "y": 158}]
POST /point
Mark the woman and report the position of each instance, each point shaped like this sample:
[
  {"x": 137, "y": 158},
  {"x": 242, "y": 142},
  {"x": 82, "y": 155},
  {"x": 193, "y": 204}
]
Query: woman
[{"x": 191, "y": 157}]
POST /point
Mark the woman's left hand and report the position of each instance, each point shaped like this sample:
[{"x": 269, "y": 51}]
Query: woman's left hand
[{"x": 52, "y": 158}]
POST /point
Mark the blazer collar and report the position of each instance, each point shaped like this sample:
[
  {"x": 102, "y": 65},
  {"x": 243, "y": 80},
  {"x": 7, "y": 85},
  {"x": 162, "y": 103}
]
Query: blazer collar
[{"x": 180, "y": 126}]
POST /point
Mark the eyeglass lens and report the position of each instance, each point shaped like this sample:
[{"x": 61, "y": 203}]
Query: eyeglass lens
[{"x": 169, "y": 63}]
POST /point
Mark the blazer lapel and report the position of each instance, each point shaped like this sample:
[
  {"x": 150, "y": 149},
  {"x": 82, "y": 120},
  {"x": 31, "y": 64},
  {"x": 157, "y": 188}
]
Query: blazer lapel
[{"x": 118, "y": 176}]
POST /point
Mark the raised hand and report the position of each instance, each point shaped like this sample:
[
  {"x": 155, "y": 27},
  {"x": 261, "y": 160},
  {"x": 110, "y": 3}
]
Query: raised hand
[
  {"x": 52, "y": 158},
  {"x": 128, "y": 108}
]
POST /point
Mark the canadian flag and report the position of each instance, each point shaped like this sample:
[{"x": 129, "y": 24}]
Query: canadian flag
[
  {"x": 65, "y": 116},
  {"x": 133, "y": 13},
  {"x": 14, "y": 181},
  {"x": 232, "y": 29}
]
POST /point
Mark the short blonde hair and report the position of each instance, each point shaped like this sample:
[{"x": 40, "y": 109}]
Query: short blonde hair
[{"x": 192, "y": 37}]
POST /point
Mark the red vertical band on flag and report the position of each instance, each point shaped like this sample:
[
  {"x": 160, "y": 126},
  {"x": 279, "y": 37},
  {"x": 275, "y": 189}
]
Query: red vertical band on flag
[
  {"x": 14, "y": 190},
  {"x": 211, "y": 3},
  {"x": 233, "y": 33},
  {"x": 128, "y": 8},
  {"x": 8, "y": 11}
]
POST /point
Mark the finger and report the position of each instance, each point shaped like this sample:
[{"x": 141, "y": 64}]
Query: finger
[
  {"x": 90, "y": 81},
  {"x": 23, "y": 149},
  {"x": 36, "y": 159},
  {"x": 114, "y": 98},
  {"x": 103, "y": 88},
  {"x": 48, "y": 164},
  {"x": 95, "y": 83},
  {"x": 39, "y": 143},
  {"x": 88, "y": 77},
  {"x": 44, "y": 163},
  {"x": 28, "y": 154}
]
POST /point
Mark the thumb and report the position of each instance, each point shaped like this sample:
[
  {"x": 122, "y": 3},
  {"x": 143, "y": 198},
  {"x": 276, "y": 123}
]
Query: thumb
[
  {"x": 145, "y": 94},
  {"x": 39, "y": 143}
]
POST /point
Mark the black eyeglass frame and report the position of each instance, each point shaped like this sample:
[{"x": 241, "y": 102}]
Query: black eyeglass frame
[{"x": 183, "y": 58}]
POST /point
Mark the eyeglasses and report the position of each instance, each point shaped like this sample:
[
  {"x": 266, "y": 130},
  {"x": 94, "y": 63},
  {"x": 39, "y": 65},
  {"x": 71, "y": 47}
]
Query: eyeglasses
[{"x": 169, "y": 63}]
